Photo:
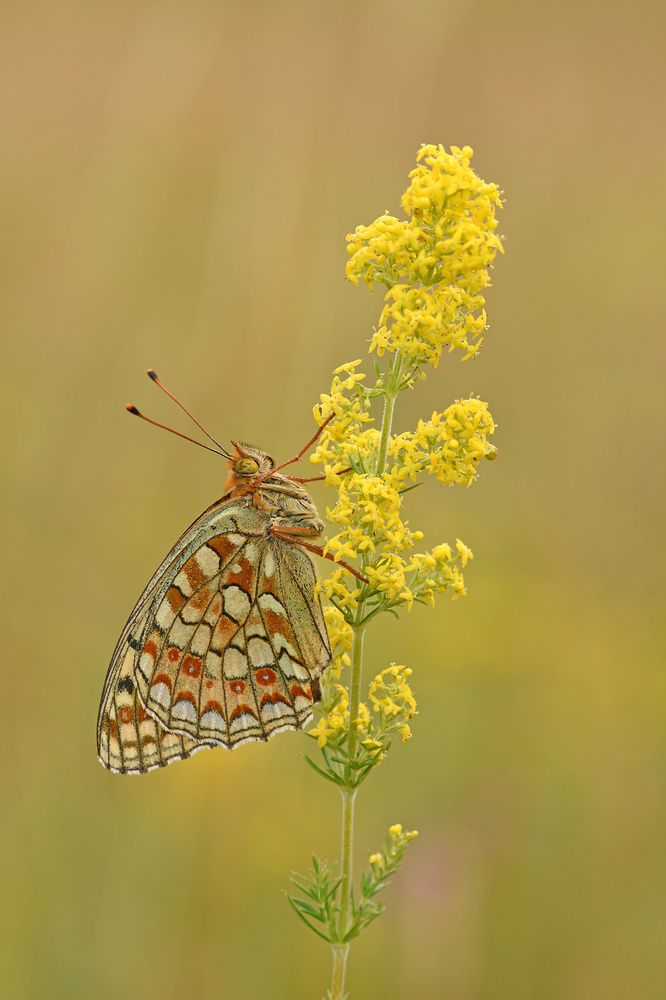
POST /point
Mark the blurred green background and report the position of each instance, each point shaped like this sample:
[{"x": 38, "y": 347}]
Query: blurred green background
[{"x": 177, "y": 179}]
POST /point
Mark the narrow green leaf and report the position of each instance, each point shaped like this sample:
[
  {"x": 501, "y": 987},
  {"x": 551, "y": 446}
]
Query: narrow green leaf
[
  {"x": 408, "y": 489},
  {"x": 306, "y": 887},
  {"x": 330, "y": 777},
  {"x": 304, "y": 907},
  {"x": 377, "y": 888},
  {"x": 331, "y": 892},
  {"x": 307, "y": 922}
]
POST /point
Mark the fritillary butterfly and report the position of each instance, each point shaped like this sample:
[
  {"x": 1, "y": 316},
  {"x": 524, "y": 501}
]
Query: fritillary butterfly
[{"x": 227, "y": 642}]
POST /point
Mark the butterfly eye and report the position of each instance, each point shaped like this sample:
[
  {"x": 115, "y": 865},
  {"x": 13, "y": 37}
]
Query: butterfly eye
[{"x": 246, "y": 467}]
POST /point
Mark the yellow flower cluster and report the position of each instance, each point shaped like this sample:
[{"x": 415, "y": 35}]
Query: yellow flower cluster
[
  {"x": 341, "y": 636},
  {"x": 369, "y": 510},
  {"x": 392, "y": 699},
  {"x": 385, "y": 860},
  {"x": 450, "y": 445},
  {"x": 336, "y": 722},
  {"x": 385, "y": 250},
  {"x": 446, "y": 194},
  {"x": 393, "y": 704},
  {"x": 419, "y": 322},
  {"x": 435, "y": 265},
  {"x": 347, "y": 441},
  {"x": 433, "y": 573}
]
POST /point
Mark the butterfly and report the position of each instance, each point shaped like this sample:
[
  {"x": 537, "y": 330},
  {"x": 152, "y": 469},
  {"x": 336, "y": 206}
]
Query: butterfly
[{"x": 228, "y": 640}]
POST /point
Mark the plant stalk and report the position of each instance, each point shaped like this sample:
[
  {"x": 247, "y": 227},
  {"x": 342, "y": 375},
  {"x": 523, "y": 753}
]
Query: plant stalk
[
  {"x": 393, "y": 380},
  {"x": 355, "y": 685},
  {"x": 341, "y": 948},
  {"x": 340, "y": 953}
]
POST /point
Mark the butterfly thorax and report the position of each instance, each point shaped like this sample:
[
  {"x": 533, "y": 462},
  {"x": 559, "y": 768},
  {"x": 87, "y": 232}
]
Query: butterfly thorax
[{"x": 280, "y": 504}]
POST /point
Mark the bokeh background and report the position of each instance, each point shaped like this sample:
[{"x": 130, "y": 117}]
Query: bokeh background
[{"x": 177, "y": 179}]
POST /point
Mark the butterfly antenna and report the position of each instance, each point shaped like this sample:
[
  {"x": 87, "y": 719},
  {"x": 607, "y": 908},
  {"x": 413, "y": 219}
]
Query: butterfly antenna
[
  {"x": 137, "y": 413},
  {"x": 153, "y": 375}
]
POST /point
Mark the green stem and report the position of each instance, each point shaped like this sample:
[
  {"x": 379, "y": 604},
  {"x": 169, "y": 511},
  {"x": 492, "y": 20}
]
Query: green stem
[
  {"x": 340, "y": 953},
  {"x": 393, "y": 380},
  {"x": 341, "y": 950},
  {"x": 389, "y": 406},
  {"x": 355, "y": 685}
]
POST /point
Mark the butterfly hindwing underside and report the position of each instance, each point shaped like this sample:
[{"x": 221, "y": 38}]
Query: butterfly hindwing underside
[{"x": 227, "y": 642}]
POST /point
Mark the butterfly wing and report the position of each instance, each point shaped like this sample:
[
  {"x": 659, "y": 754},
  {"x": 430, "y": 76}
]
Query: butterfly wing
[
  {"x": 224, "y": 646},
  {"x": 129, "y": 739},
  {"x": 234, "y": 646}
]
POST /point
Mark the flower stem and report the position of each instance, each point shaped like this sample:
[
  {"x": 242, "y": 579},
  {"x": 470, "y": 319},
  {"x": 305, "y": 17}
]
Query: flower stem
[
  {"x": 348, "y": 799},
  {"x": 341, "y": 948},
  {"x": 355, "y": 685},
  {"x": 393, "y": 380},
  {"x": 389, "y": 406},
  {"x": 340, "y": 953}
]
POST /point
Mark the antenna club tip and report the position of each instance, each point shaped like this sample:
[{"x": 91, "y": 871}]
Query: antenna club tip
[
  {"x": 151, "y": 373},
  {"x": 132, "y": 409}
]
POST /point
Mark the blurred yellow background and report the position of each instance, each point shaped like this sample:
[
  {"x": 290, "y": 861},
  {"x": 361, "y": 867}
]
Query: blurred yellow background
[{"x": 177, "y": 179}]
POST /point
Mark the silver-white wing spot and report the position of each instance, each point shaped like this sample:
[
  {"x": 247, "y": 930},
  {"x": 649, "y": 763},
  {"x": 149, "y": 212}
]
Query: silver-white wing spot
[
  {"x": 275, "y": 710},
  {"x": 283, "y": 644},
  {"x": 269, "y": 603},
  {"x": 245, "y": 720},
  {"x": 213, "y": 721},
  {"x": 231, "y": 535},
  {"x": 236, "y": 603},
  {"x": 269, "y": 563},
  {"x": 185, "y": 710},
  {"x": 290, "y": 668},
  {"x": 165, "y": 615},
  {"x": 183, "y": 584},
  {"x": 208, "y": 560},
  {"x": 161, "y": 694}
]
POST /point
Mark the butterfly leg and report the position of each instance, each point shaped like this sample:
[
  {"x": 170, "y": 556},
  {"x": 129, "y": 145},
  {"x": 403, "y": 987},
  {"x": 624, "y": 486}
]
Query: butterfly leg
[
  {"x": 315, "y": 479},
  {"x": 294, "y": 534}
]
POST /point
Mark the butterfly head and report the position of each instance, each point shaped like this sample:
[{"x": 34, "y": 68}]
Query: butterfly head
[{"x": 247, "y": 464}]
